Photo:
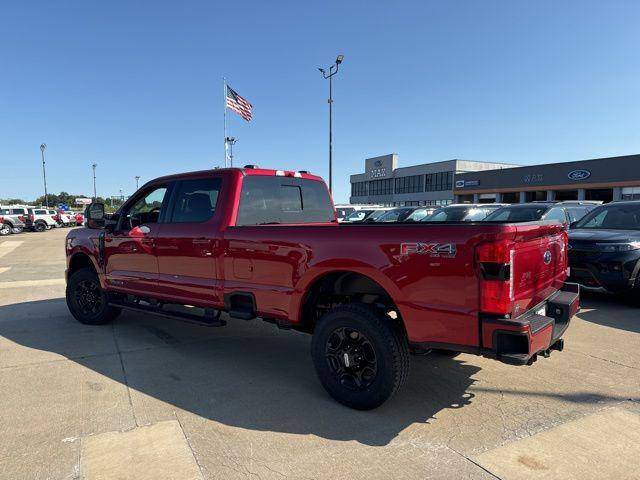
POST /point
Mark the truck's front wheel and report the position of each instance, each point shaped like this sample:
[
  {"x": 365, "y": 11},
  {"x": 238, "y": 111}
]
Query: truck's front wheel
[
  {"x": 360, "y": 354},
  {"x": 86, "y": 299}
]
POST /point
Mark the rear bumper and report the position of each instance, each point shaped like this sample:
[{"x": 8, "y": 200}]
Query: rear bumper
[{"x": 520, "y": 340}]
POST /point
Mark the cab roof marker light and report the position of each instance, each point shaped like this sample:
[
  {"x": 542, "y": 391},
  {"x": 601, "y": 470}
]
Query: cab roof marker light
[{"x": 280, "y": 173}]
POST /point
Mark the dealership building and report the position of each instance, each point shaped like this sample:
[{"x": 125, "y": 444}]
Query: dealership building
[
  {"x": 603, "y": 179},
  {"x": 462, "y": 181},
  {"x": 384, "y": 183}
]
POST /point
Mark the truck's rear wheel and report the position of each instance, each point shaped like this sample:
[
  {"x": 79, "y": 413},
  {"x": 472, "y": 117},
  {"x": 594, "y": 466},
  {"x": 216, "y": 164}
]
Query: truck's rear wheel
[
  {"x": 86, "y": 299},
  {"x": 361, "y": 356},
  {"x": 40, "y": 226},
  {"x": 5, "y": 229}
]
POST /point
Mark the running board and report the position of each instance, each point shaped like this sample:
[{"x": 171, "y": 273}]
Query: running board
[{"x": 211, "y": 317}]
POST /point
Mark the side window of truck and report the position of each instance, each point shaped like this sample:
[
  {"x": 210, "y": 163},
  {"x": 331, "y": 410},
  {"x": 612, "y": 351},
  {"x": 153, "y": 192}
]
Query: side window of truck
[
  {"x": 145, "y": 210},
  {"x": 273, "y": 200},
  {"x": 194, "y": 201}
]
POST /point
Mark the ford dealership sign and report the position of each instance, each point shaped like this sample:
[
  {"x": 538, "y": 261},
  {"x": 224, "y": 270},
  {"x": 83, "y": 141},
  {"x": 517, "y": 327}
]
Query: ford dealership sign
[{"x": 579, "y": 174}]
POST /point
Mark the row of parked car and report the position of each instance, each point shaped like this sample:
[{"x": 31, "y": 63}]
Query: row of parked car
[
  {"x": 564, "y": 212},
  {"x": 18, "y": 218},
  {"x": 604, "y": 239}
]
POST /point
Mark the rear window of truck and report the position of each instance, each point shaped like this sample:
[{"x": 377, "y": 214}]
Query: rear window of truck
[{"x": 273, "y": 200}]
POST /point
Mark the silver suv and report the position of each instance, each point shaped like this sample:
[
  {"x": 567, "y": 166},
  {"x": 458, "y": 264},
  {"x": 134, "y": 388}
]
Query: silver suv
[{"x": 12, "y": 222}]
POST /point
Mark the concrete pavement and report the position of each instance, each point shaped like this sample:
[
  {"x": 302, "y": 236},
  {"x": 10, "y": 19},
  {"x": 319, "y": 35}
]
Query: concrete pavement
[{"x": 154, "y": 398}]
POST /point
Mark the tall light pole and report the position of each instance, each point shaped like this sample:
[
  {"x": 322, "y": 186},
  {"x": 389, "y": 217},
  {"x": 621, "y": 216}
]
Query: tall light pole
[
  {"x": 333, "y": 69},
  {"x": 95, "y": 197},
  {"x": 231, "y": 141},
  {"x": 43, "y": 147},
  {"x": 137, "y": 180}
]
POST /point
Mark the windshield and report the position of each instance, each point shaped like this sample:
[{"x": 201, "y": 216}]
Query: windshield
[
  {"x": 376, "y": 214},
  {"x": 396, "y": 215},
  {"x": 418, "y": 215},
  {"x": 358, "y": 215},
  {"x": 457, "y": 214},
  {"x": 516, "y": 214},
  {"x": 613, "y": 217}
]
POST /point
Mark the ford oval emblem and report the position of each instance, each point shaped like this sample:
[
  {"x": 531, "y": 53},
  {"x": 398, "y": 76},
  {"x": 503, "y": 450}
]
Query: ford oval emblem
[
  {"x": 579, "y": 174},
  {"x": 547, "y": 257}
]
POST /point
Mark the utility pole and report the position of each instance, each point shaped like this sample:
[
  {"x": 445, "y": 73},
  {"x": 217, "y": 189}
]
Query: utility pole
[
  {"x": 43, "y": 147},
  {"x": 137, "y": 180},
  {"x": 95, "y": 197},
  {"x": 333, "y": 69},
  {"x": 231, "y": 141}
]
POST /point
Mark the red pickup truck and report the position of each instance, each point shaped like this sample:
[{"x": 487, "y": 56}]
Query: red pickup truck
[{"x": 264, "y": 243}]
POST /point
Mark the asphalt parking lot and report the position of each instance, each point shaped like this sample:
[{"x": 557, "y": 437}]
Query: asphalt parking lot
[{"x": 154, "y": 398}]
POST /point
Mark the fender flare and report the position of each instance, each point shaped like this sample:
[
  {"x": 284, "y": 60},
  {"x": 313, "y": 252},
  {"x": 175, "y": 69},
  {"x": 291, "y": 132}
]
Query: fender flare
[{"x": 314, "y": 274}]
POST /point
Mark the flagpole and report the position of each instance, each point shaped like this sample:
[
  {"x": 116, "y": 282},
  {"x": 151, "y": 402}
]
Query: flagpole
[
  {"x": 224, "y": 85},
  {"x": 224, "y": 82}
]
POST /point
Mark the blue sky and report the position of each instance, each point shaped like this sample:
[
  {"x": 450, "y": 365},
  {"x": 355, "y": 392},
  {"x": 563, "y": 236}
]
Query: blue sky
[{"x": 137, "y": 86}]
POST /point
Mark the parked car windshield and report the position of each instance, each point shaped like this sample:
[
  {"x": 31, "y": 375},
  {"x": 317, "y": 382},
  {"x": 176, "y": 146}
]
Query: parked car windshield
[
  {"x": 375, "y": 215},
  {"x": 395, "y": 215},
  {"x": 457, "y": 214},
  {"x": 614, "y": 217},
  {"x": 516, "y": 214},
  {"x": 357, "y": 215},
  {"x": 419, "y": 214}
]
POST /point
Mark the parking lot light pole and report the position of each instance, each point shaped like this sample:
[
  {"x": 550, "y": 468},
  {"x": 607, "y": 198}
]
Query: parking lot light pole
[
  {"x": 94, "y": 181},
  {"x": 333, "y": 69},
  {"x": 137, "y": 180},
  {"x": 43, "y": 147}
]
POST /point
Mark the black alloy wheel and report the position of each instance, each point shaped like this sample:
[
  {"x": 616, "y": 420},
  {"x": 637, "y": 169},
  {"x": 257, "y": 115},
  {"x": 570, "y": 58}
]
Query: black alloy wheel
[
  {"x": 86, "y": 299},
  {"x": 360, "y": 354},
  {"x": 352, "y": 358}
]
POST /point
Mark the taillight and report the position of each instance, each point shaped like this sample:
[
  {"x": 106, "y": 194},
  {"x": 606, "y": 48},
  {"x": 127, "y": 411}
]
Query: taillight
[
  {"x": 31, "y": 217},
  {"x": 56, "y": 217},
  {"x": 21, "y": 218},
  {"x": 496, "y": 270}
]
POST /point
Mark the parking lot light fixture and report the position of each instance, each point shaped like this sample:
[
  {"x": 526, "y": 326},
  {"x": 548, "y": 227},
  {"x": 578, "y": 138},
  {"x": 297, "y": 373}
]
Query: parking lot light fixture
[
  {"x": 137, "y": 180},
  {"x": 333, "y": 69},
  {"x": 43, "y": 147},
  {"x": 94, "y": 181}
]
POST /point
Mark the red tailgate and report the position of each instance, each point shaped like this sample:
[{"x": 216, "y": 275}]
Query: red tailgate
[{"x": 539, "y": 264}]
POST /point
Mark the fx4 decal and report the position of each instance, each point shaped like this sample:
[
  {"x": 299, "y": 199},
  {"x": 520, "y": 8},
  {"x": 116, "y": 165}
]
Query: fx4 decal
[{"x": 431, "y": 249}]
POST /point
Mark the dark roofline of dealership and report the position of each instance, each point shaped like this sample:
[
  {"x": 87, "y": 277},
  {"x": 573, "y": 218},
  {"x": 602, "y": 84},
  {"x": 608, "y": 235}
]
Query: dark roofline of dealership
[{"x": 611, "y": 178}]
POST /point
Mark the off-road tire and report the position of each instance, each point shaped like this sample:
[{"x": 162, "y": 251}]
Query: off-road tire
[
  {"x": 83, "y": 288},
  {"x": 17, "y": 230},
  {"x": 385, "y": 337},
  {"x": 39, "y": 226}
]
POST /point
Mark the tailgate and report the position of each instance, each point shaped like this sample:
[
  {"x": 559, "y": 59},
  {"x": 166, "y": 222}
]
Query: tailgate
[{"x": 539, "y": 263}]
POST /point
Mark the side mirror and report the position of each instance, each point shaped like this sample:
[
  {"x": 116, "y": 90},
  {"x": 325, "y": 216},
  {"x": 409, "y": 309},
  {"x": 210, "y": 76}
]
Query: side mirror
[{"x": 94, "y": 215}]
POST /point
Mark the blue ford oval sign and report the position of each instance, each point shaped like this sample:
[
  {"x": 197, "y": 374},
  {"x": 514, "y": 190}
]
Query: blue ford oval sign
[
  {"x": 547, "y": 257},
  {"x": 579, "y": 174}
]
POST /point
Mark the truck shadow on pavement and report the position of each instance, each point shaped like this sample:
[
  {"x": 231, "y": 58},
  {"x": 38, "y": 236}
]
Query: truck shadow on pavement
[
  {"x": 610, "y": 311},
  {"x": 249, "y": 374}
]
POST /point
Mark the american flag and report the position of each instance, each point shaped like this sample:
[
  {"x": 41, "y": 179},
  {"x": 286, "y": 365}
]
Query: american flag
[{"x": 238, "y": 104}]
